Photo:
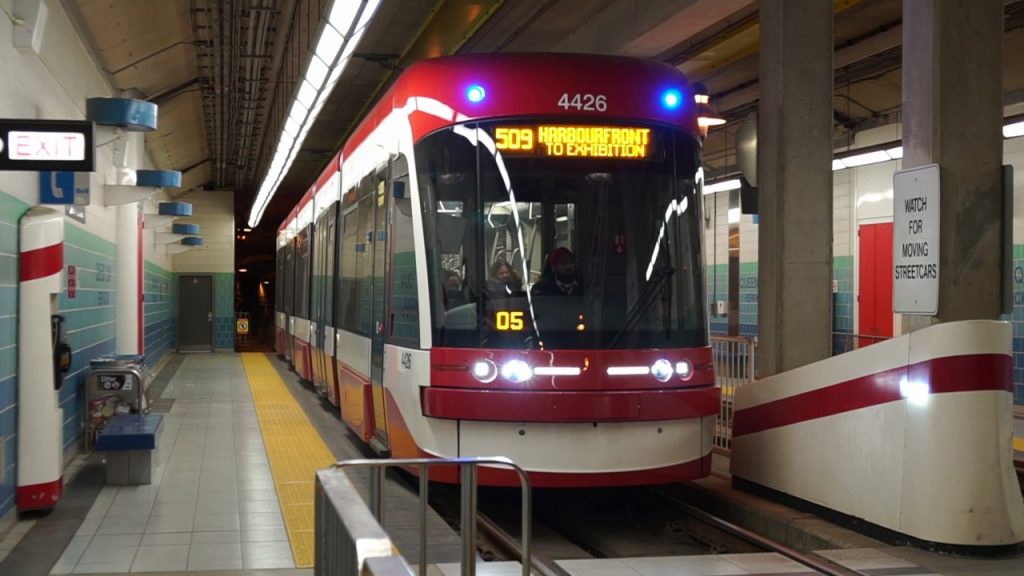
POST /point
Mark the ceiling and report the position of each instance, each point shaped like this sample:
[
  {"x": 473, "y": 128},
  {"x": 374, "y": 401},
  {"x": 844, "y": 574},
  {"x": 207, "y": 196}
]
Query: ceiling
[{"x": 224, "y": 71}]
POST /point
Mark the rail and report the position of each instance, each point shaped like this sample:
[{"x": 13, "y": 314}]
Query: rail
[
  {"x": 734, "y": 365},
  {"x": 341, "y": 525}
]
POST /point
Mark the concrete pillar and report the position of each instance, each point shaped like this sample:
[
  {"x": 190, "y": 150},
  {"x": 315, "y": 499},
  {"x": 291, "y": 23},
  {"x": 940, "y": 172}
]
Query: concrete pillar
[
  {"x": 794, "y": 154},
  {"x": 952, "y": 116}
]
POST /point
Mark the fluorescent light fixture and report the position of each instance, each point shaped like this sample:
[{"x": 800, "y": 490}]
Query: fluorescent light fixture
[
  {"x": 291, "y": 127},
  {"x": 317, "y": 72},
  {"x": 330, "y": 43},
  {"x": 722, "y": 186},
  {"x": 1013, "y": 130},
  {"x": 562, "y": 219},
  {"x": 866, "y": 158},
  {"x": 734, "y": 215},
  {"x": 306, "y": 95},
  {"x": 895, "y": 153},
  {"x": 837, "y": 164},
  {"x": 343, "y": 14}
]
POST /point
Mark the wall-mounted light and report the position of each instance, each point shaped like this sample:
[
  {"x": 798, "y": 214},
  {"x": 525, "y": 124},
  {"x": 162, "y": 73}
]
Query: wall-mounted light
[
  {"x": 243, "y": 270},
  {"x": 706, "y": 114}
]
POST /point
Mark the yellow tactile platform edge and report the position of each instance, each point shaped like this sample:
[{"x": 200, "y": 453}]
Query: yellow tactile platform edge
[
  {"x": 294, "y": 448},
  {"x": 1018, "y": 444}
]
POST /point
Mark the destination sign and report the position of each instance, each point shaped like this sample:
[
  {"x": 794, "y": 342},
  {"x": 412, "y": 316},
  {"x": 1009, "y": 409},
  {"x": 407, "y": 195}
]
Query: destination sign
[
  {"x": 575, "y": 141},
  {"x": 46, "y": 145}
]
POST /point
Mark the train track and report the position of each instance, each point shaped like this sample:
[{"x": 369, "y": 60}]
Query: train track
[{"x": 714, "y": 534}]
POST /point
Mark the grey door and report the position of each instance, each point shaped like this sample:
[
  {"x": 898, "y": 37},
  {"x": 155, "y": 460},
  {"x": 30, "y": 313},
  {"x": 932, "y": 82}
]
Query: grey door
[{"x": 195, "y": 313}]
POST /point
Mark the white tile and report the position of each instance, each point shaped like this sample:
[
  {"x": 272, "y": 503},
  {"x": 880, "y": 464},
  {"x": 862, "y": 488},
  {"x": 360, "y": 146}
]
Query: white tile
[
  {"x": 259, "y": 506},
  {"x": 232, "y": 537},
  {"x": 116, "y": 540},
  {"x": 215, "y": 557},
  {"x": 164, "y": 558},
  {"x": 99, "y": 554},
  {"x": 170, "y": 523},
  {"x": 258, "y": 494},
  {"x": 166, "y": 538},
  {"x": 264, "y": 535},
  {"x": 261, "y": 520},
  {"x": 216, "y": 522},
  {"x": 129, "y": 525},
  {"x": 267, "y": 555},
  {"x": 105, "y": 568},
  {"x": 71, "y": 555}
]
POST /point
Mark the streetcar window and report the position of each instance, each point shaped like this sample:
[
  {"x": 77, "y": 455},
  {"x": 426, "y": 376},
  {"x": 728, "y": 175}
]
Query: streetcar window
[
  {"x": 302, "y": 264},
  {"x": 404, "y": 305},
  {"x": 630, "y": 225},
  {"x": 348, "y": 286}
]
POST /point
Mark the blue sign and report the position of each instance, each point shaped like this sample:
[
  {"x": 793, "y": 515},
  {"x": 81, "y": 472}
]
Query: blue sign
[{"x": 63, "y": 188}]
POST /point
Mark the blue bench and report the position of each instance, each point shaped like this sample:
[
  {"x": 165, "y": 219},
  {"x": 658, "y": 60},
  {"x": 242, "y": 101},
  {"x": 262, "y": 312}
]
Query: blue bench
[{"x": 129, "y": 440}]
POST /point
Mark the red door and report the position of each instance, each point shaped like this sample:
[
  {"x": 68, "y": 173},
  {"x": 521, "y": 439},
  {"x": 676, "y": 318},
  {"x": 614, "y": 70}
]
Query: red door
[{"x": 875, "y": 284}]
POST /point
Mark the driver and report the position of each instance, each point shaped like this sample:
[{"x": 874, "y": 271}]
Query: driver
[{"x": 559, "y": 277}]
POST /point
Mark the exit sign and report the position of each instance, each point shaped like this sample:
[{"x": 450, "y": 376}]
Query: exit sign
[{"x": 54, "y": 145}]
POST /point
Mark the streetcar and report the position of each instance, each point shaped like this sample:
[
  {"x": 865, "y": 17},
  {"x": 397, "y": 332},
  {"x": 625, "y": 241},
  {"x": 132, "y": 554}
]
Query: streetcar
[{"x": 506, "y": 259}]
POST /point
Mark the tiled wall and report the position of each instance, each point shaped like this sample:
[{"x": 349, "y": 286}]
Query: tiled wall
[
  {"x": 224, "y": 311},
  {"x": 718, "y": 290},
  {"x": 842, "y": 304},
  {"x": 159, "y": 302},
  {"x": 89, "y": 318},
  {"x": 11, "y": 210}
]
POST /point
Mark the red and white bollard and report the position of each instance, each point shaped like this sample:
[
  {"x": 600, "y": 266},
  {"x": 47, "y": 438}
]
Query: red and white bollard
[{"x": 40, "y": 433}]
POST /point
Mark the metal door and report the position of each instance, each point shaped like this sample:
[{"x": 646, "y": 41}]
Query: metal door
[
  {"x": 874, "y": 286},
  {"x": 380, "y": 280},
  {"x": 195, "y": 313}
]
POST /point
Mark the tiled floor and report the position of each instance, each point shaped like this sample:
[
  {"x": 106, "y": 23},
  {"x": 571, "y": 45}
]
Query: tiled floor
[{"x": 212, "y": 503}]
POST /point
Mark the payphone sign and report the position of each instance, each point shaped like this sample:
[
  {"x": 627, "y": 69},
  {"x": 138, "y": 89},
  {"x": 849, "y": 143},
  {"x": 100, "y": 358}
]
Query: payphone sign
[{"x": 56, "y": 145}]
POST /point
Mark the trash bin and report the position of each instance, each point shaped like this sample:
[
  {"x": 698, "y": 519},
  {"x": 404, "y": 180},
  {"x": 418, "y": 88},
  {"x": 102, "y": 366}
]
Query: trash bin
[{"x": 115, "y": 384}]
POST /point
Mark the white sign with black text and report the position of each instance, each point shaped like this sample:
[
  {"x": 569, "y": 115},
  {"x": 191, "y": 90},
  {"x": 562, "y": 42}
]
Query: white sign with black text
[{"x": 915, "y": 245}]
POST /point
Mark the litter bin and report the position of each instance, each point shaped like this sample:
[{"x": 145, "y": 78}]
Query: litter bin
[{"x": 116, "y": 384}]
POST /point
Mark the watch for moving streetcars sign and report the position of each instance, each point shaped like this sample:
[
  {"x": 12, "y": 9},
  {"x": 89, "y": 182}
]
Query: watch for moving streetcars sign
[
  {"x": 915, "y": 258},
  {"x": 56, "y": 145}
]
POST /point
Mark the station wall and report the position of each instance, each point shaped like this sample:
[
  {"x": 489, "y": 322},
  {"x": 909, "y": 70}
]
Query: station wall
[
  {"x": 861, "y": 196},
  {"x": 55, "y": 84}
]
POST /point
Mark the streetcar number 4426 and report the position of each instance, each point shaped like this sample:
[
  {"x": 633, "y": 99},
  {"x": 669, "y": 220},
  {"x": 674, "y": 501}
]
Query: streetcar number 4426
[{"x": 598, "y": 102}]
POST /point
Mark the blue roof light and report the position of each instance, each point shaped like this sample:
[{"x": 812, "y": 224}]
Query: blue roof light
[
  {"x": 671, "y": 99},
  {"x": 475, "y": 93}
]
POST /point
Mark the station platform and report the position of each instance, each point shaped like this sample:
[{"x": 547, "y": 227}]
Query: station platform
[{"x": 232, "y": 494}]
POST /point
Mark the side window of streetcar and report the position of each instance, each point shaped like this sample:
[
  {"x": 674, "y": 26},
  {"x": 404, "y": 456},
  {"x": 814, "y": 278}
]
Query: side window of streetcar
[{"x": 404, "y": 318}]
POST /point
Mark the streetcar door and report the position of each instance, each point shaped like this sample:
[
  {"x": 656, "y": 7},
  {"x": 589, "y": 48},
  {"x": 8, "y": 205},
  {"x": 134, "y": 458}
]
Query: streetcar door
[{"x": 381, "y": 201}]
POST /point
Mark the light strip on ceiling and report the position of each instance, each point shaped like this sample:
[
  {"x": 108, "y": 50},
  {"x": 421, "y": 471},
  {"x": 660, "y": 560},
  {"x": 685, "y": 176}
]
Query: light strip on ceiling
[{"x": 345, "y": 24}]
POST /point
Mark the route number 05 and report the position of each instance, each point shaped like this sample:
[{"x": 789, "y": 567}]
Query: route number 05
[
  {"x": 591, "y": 102},
  {"x": 506, "y": 320}
]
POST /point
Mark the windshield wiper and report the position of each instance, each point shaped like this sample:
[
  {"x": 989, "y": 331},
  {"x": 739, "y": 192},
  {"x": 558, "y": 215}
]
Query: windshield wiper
[{"x": 659, "y": 279}]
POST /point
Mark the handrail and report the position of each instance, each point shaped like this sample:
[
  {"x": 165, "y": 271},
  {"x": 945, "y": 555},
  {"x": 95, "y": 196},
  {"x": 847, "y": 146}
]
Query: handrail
[{"x": 468, "y": 481}]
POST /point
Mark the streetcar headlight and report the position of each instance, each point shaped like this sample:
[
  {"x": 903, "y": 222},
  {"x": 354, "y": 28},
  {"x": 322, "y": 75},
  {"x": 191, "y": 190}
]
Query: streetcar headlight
[
  {"x": 684, "y": 369},
  {"x": 516, "y": 371},
  {"x": 485, "y": 371},
  {"x": 662, "y": 370}
]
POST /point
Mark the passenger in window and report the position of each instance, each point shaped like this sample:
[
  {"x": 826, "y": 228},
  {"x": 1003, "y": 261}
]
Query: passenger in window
[
  {"x": 454, "y": 292},
  {"x": 559, "y": 276},
  {"x": 503, "y": 280}
]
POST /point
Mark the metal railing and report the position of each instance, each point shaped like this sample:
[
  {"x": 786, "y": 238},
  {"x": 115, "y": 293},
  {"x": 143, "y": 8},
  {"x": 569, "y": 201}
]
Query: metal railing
[
  {"x": 345, "y": 541},
  {"x": 734, "y": 365}
]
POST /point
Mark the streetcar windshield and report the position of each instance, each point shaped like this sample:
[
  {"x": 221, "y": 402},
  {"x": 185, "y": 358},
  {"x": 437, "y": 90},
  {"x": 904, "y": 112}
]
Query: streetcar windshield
[{"x": 562, "y": 236}]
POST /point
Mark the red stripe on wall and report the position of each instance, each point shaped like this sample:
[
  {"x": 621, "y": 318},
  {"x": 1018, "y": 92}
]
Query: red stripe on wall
[
  {"x": 969, "y": 373},
  {"x": 41, "y": 262}
]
